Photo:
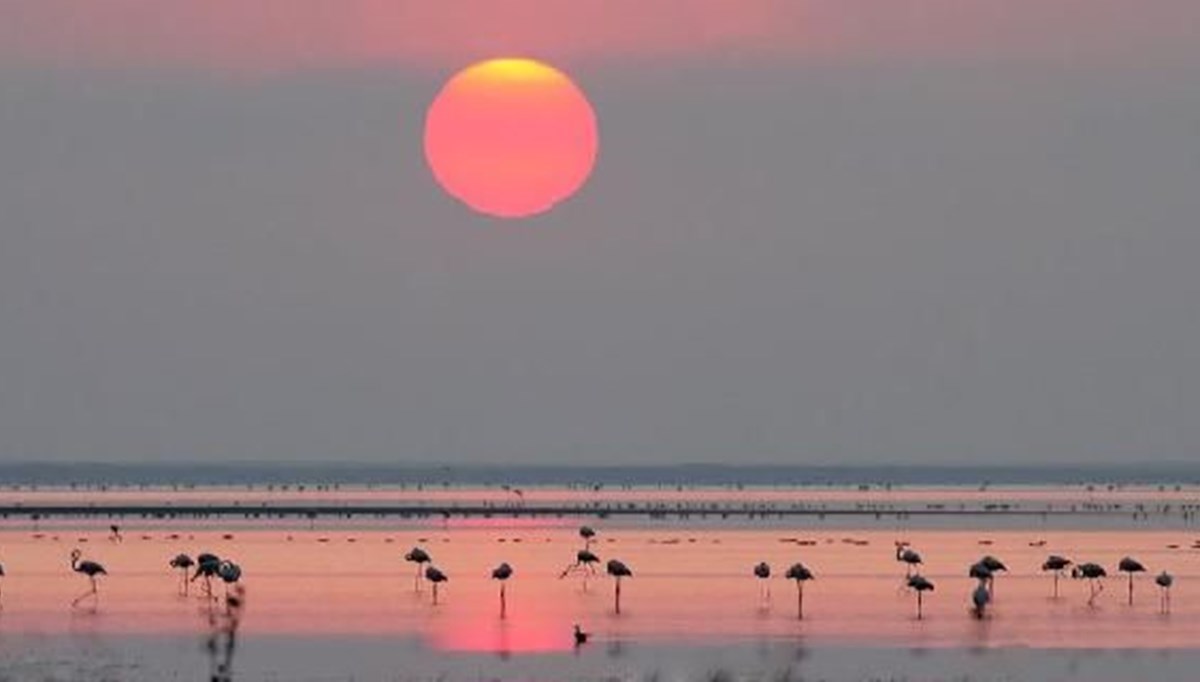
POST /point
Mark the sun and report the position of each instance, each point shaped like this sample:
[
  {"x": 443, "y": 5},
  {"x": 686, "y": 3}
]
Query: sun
[{"x": 511, "y": 137}]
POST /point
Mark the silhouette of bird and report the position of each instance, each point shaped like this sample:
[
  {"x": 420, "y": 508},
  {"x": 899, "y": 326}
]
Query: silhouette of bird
[
  {"x": 910, "y": 558},
  {"x": 182, "y": 562},
  {"x": 589, "y": 536},
  {"x": 207, "y": 566},
  {"x": 980, "y": 598},
  {"x": 994, "y": 566},
  {"x": 1164, "y": 581},
  {"x": 230, "y": 574},
  {"x": 581, "y": 637},
  {"x": 1094, "y": 573},
  {"x": 420, "y": 557},
  {"x": 435, "y": 576},
  {"x": 1129, "y": 565},
  {"x": 618, "y": 570},
  {"x": 91, "y": 569},
  {"x": 800, "y": 573},
  {"x": 585, "y": 564},
  {"x": 1058, "y": 565},
  {"x": 762, "y": 571},
  {"x": 114, "y": 533},
  {"x": 921, "y": 585},
  {"x": 502, "y": 573}
]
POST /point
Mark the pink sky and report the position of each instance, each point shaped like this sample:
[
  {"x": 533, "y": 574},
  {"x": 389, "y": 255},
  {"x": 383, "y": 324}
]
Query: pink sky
[{"x": 270, "y": 35}]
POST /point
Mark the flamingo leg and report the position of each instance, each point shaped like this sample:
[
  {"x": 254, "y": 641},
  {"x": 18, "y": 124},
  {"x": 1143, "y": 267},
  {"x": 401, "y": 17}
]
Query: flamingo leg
[
  {"x": 800, "y": 600},
  {"x": 503, "y": 602},
  {"x": 618, "y": 597},
  {"x": 918, "y": 605},
  {"x": 435, "y": 585}
]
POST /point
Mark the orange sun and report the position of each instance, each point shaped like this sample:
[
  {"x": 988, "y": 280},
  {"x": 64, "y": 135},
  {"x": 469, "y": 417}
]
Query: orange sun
[{"x": 510, "y": 137}]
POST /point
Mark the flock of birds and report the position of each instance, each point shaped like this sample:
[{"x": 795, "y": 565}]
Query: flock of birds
[{"x": 208, "y": 567}]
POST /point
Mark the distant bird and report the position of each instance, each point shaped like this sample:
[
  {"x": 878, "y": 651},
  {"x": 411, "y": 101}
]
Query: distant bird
[
  {"x": 230, "y": 574},
  {"x": 910, "y": 558},
  {"x": 502, "y": 573},
  {"x": 1094, "y": 573},
  {"x": 91, "y": 569},
  {"x": 420, "y": 557},
  {"x": 1164, "y": 581},
  {"x": 618, "y": 570},
  {"x": 114, "y": 533},
  {"x": 921, "y": 585},
  {"x": 182, "y": 562},
  {"x": 800, "y": 573},
  {"x": 1130, "y": 566},
  {"x": 1058, "y": 565},
  {"x": 581, "y": 637},
  {"x": 585, "y": 564},
  {"x": 1, "y": 590},
  {"x": 994, "y": 566},
  {"x": 762, "y": 571},
  {"x": 435, "y": 576},
  {"x": 980, "y": 598},
  {"x": 207, "y": 566},
  {"x": 589, "y": 536}
]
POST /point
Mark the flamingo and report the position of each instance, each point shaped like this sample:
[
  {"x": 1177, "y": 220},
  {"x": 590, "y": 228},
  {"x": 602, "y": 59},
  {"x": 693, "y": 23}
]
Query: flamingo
[
  {"x": 618, "y": 570},
  {"x": 207, "y": 566},
  {"x": 980, "y": 597},
  {"x": 1057, "y": 564},
  {"x": 114, "y": 533},
  {"x": 994, "y": 566},
  {"x": 502, "y": 573},
  {"x": 910, "y": 557},
  {"x": 435, "y": 576},
  {"x": 1129, "y": 565},
  {"x": 420, "y": 557},
  {"x": 230, "y": 574},
  {"x": 1094, "y": 573},
  {"x": 800, "y": 573},
  {"x": 182, "y": 562},
  {"x": 589, "y": 536},
  {"x": 762, "y": 571},
  {"x": 922, "y": 585},
  {"x": 581, "y": 637},
  {"x": 585, "y": 563},
  {"x": 91, "y": 569},
  {"x": 1164, "y": 581}
]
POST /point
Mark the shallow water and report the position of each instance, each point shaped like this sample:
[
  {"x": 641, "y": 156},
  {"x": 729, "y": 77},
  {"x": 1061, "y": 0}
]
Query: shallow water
[{"x": 343, "y": 586}]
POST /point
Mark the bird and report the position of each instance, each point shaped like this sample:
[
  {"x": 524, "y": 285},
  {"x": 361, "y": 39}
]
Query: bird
[
  {"x": 1, "y": 576},
  {"x": 589, "y": 536},
  {"x": 922, "y": 585},
  {"x": 585, "y": 563},
  {"x": 1164, "y": 581},
  {"x": 230, "y": 574},
  {"x": 420, "y": 557},
  {"x": 182, "y": 562},
  {"x": 91, "y": 569},
  {"x": 502, "y": 573},
  {"x": 114, "y": 533},
  {"x": 581, "y": 637},
  {"x": 1058, "y": 564},
  {"x": 980, "y": 597},
  {"x": 910, "y": 557},
  {"x": 618, "y": 570},
  {"x": 994, "y": 566},
  {"x": 1129, "y": 565},
  {"x": 1094, "y": 573},
  {"x": 762, "y": 571},
  {"x": 207, "y": 567},
  {"x": 435, "y": 576},
  {"x": 800, "y": 573}
]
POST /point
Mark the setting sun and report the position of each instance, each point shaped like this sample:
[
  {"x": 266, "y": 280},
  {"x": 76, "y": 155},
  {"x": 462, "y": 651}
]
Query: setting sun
[{"x": 510, "y": 137}]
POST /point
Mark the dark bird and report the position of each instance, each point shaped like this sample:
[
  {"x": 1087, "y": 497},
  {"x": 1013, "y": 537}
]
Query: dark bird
[
  {"x": 618, "y": 570},
  {"x": 994, "y": 566},
  {"x": 588, "y": 534},
  {"x": 581, "y": 637},
  {"x": 585, "y": 564},
  {"x": 92, "y": 570},
  {"x": 1058, "y": 565},
  {"x": 207, "y": 566},
  {"x": 230, "y": 573},
  {"x": 114, "y": 533},
  {"x": 800, "y": 573},
  {"x": 762, "y": 571},
  {"x": 1164, "y": 581},
  {"x": 183, "y": 563},
  {"x": 502, "y": 573},
  {"x": 1094, "y": 573},
  {"x": 1130, "y": 566},
  {"x": 435, "y": 576},
  {"x": 921, "y": 585},
  {"x": 909, "y": 557},
  {"x": 420, "y": 557}
]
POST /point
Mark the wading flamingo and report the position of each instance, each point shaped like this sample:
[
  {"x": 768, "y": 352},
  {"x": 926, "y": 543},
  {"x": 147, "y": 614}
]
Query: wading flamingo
[
  {"x": 618, "y": 570},
  {"x": 435, "y": 576},
  {"x": 1129, "y": 565},
  {"x": 921, "y": 585},
  {"x": 420, "y": 557},
  {"x": 502, "y": 573},
  {"x": 91, "y": 569},
  {"x": 183, "y": 563},
  {"x": 1058, "y": 565},
  {"x": 800, "y": 573},
  {"x": 762, "y": 571},
  {"x": 1164, "y": 581},
  {"x": 1094, "y": 573}
]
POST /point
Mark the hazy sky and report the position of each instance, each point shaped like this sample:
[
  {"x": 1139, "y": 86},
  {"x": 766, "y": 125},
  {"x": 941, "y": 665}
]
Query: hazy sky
[{"x": 819, "y": 231}]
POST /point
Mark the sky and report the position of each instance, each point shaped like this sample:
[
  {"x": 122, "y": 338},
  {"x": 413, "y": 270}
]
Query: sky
[{"x": 818, "y": 231}]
